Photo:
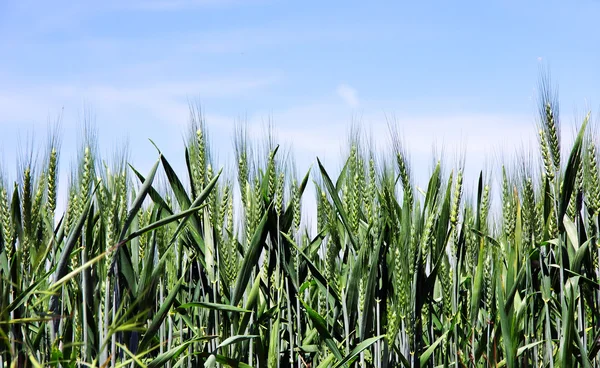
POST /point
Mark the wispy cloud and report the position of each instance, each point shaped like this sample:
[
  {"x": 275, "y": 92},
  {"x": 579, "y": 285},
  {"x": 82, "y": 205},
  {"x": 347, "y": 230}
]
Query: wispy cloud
[
  {"x": 174, "y": 5},
  {"x": 321, "y": 130},
  {"x": 167, "y": 100},
  {"x": 348, "y": 94},
  {"x": 29, "y": 20},
  {"x": 174, "y": 44}
]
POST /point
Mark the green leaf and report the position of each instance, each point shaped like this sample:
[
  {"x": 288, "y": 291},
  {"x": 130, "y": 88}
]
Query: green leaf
[
  {"x": 139, "y": 200},
  {"x": 250, "y": 304},
  {"x": 571, "y": 231},
  {"x": 338, "y": 204},
  {"x": 478, "y": 282},
  {"x": 321, "y": 327},
  {"x": 213, "y": 359},
  {"x": 159, "y": 223},
  {"x": 209, "y": 248},
  {"x": 160, "y": 316},
  {"x": 197, "y": 202},
  {"x": 273, "y": 357},
  {"x": 505, "y": 321},
  {"x": 154, "y": 195},
  {"x": 61, "y": 267},
  {"x": 235, "y": 339},
  {"x": 429, "y": 351},
  {"x": 24, "y": 295},
  {"x": 314, "y": 270},
  {"x": 250, "y": 260},
  {"x": 176, "y": 186},
  {"x": 565, "y": 353},
  {"x": 212, "y": 306},
  {"x": 370, "y": 290},
  {"x": 579, "y": 257},
  {"x": 327, "y": 361},
  {"x": 358, "y": 349}
]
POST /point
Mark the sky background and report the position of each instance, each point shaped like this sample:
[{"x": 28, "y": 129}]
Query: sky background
[{"x": 461, "y": 75}]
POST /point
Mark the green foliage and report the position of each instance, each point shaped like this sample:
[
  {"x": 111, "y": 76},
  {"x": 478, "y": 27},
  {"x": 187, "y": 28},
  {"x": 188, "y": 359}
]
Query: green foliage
[{"x": 217, "y": 270}]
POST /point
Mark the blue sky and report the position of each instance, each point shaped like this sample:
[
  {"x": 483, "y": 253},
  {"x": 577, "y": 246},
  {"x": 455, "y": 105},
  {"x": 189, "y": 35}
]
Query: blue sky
[{"x": 461, "y": 73}]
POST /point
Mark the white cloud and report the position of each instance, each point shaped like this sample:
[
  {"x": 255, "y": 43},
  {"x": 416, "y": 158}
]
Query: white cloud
[
  {"x": 173, "y": 5},
  {"x": 37, "y": 17},
  {"x": 164, "y": 4},
  {"x": 322, "y": 130},
  {"x": 166, "y": 100},
  {"x": 348, "y": 94}
]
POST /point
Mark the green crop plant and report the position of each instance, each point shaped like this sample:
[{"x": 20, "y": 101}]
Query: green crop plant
[{"x": 214, "y": 268}]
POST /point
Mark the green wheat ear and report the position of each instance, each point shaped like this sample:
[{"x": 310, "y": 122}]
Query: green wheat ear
[
  {"x": 456, "y": 198},
  {"x": 52, "y": 182},
  {"x": 296, "y": 206},
  {"x": 201, "y": 165},
  {"x": 279, "y": 193},
  {"x": 405, "y": 178},
  {"x": 592, "y": 178},
  {"x": 485, "y": 207},
  {"x": 528, "y": 212},
  {"x": 27, "y": 216},
  {"x": 508, "y": 207},
  {"x": 6, "y": 223},
  {"x": 546, "y": 156}
]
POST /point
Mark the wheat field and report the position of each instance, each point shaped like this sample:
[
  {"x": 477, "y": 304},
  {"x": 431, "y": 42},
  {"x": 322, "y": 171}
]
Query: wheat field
[{"x": 209, "y": 269}]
